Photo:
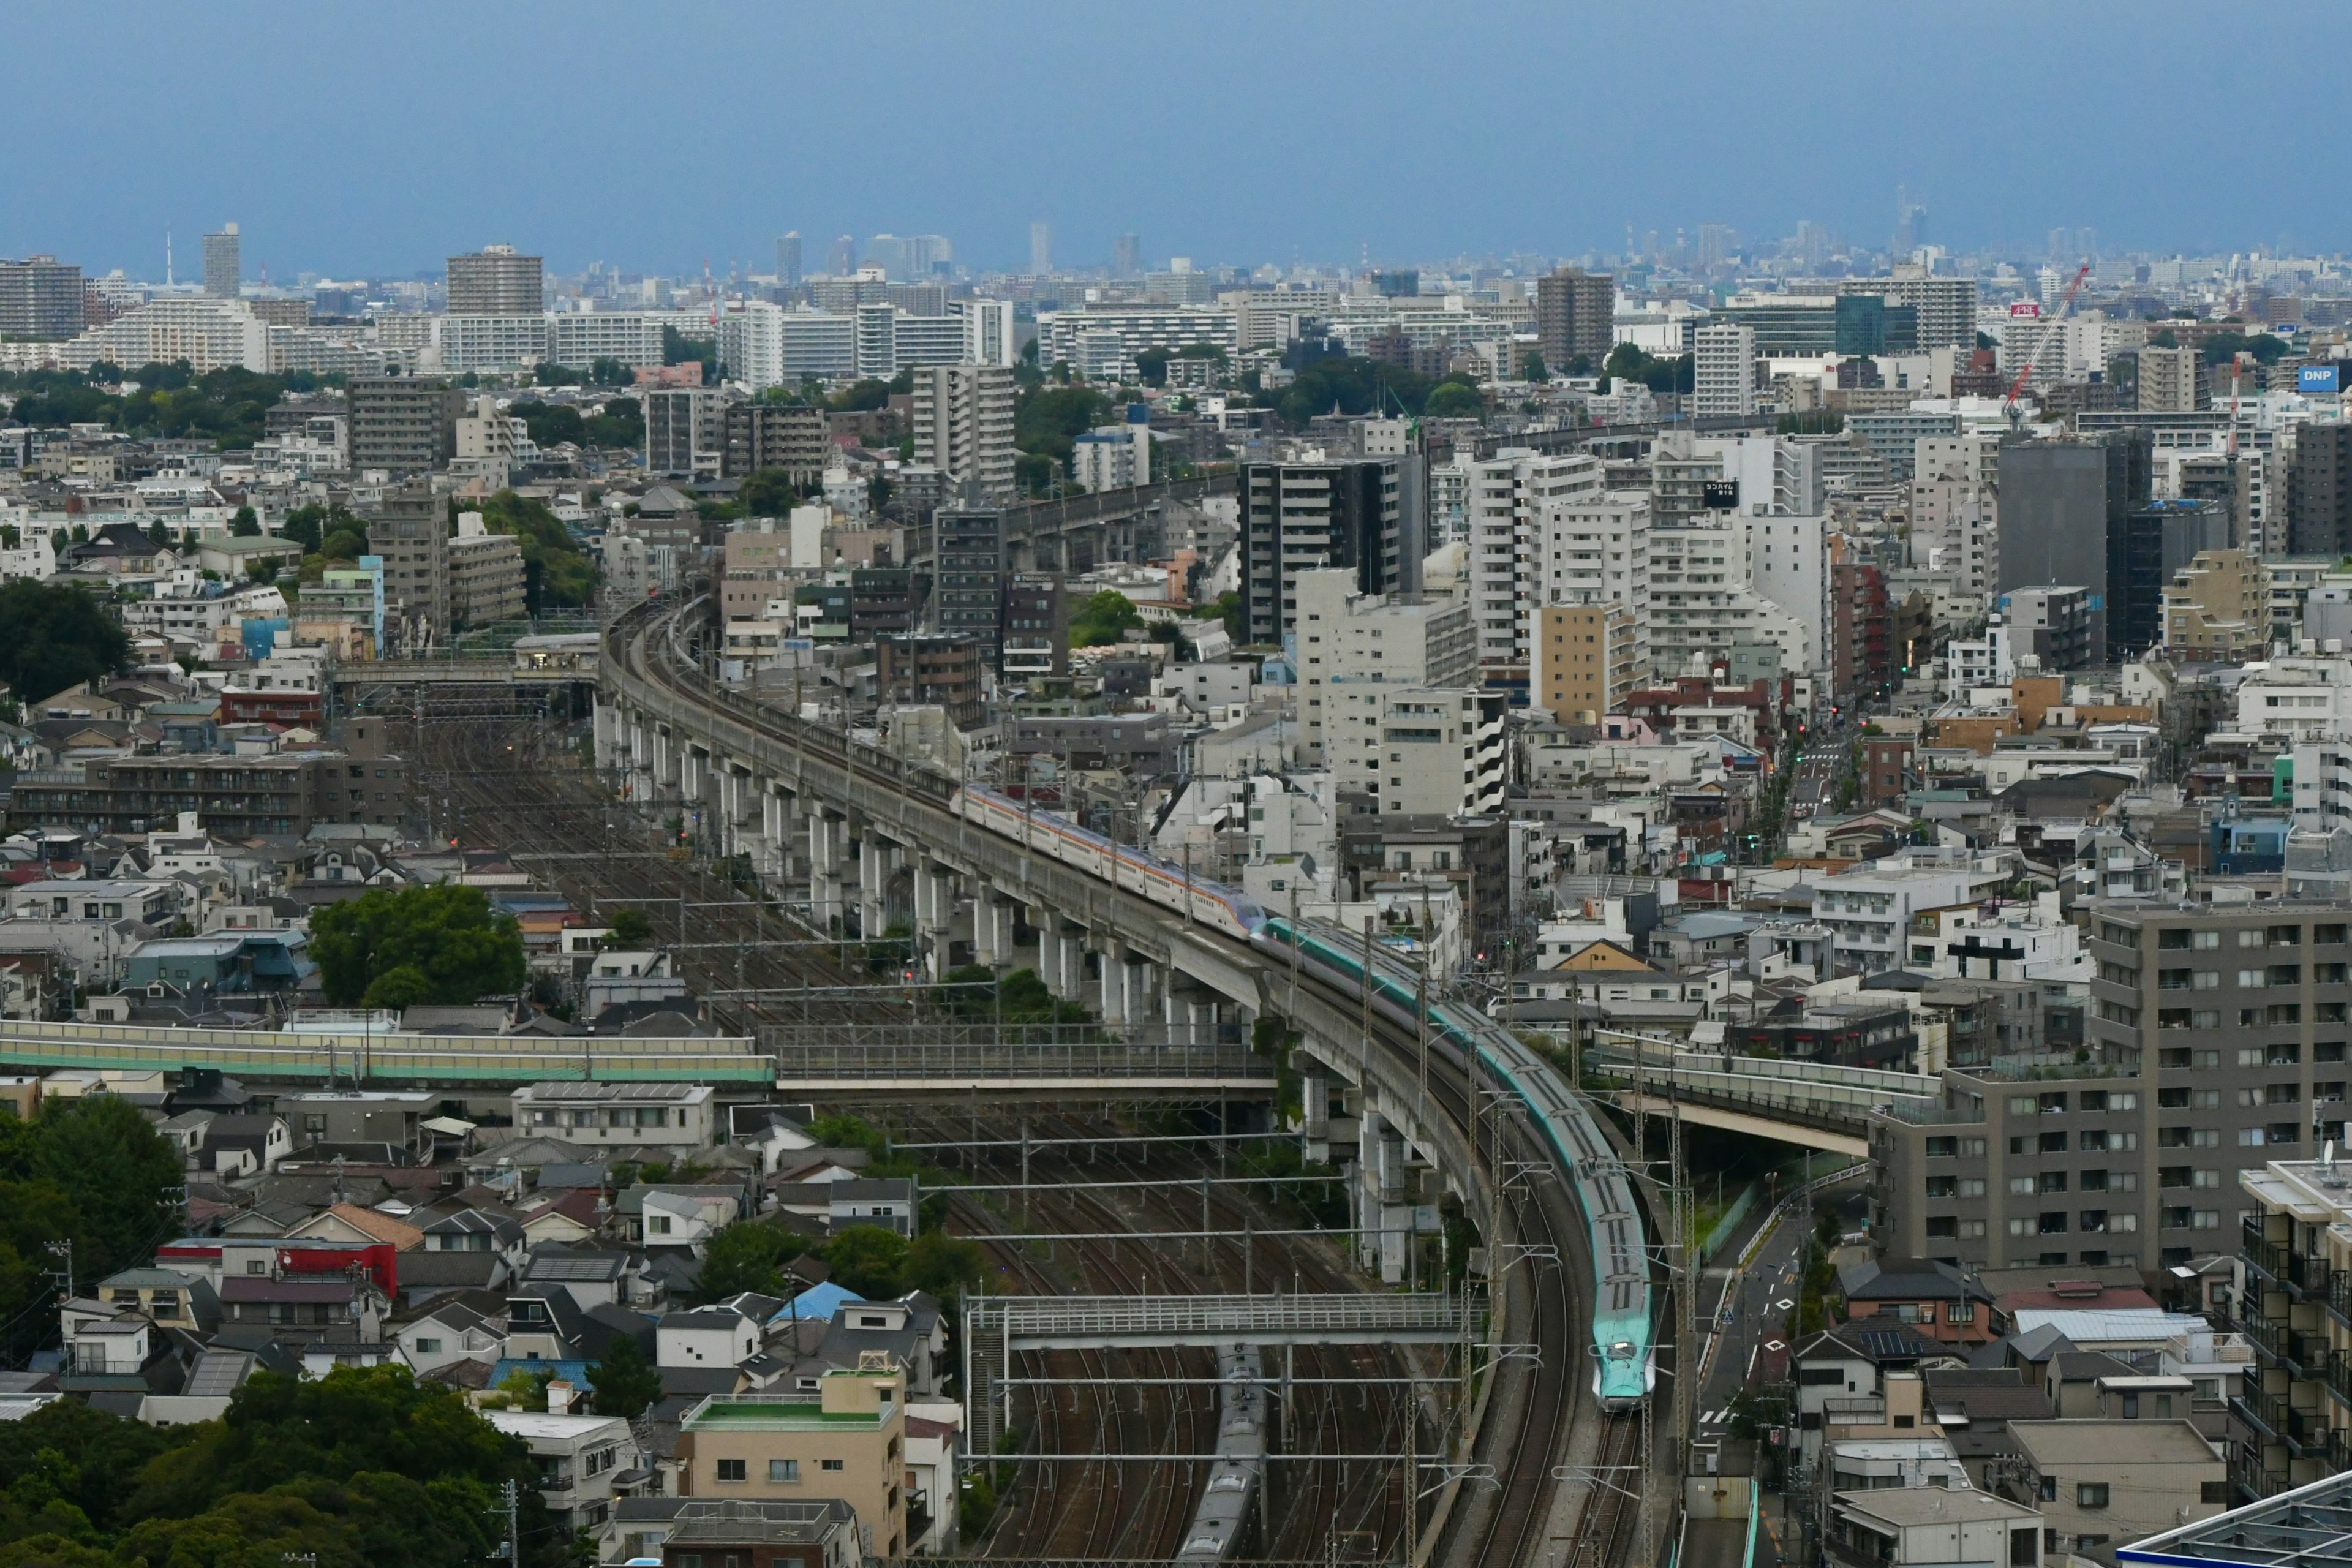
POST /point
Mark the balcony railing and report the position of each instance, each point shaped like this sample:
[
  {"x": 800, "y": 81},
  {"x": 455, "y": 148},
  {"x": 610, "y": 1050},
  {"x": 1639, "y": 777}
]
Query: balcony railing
[
  {"x": 2268, "y": 1337},
  {"x": 2269, "y": 1256},
  {"x": 2339, "y": 1297},
  {"x": 2307, "y": 1430},
  {"x": 2308, "y": 1275},
  {"x": 2306, "y": 1354},
  {"x": 2266, "y": 1413}
]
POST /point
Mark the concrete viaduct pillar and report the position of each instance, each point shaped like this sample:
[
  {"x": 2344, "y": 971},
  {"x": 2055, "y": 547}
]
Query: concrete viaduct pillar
[{"x": 828, "y": 847}]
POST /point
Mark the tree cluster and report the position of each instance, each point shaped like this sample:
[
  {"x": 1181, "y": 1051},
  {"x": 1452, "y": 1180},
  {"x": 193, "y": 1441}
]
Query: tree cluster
[
  {"x": 55, "y": 635},
  {"x": 402, "y": 947},
  {"x": 1103, "y": 618},
  {"x": 92, "y": 1172},
  {"x": 1046, "y": 424},
  {"x": 1348, "y": 384},
  {"x": 1628, "y": 362},
  {"x": 556, "y": 570},
  {"x": 228, "y": 407},
  {"x": 359, "y": 1468},
  {"x": 621, "y": 423}
]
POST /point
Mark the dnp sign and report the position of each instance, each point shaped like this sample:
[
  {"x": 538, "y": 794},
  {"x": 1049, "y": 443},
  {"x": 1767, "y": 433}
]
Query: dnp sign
[{"x": 2319, "y": 380}]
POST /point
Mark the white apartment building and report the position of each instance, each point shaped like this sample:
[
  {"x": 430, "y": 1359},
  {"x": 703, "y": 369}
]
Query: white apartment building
[
  {"x": 1419, "y": 751},
  {"x": 209, "y": 333},
  {"x": 1519, "y": 498},
  {"x": 2300, "y": 700},
  {"x": 1593, "y": 550},
  {"x": 1973, "y": 662},
  {"x": 579, "y": 339},
  {"x": 963, "y": 423},
  {"x": 763, "y": 344},
  {"x": 1701, "y": 605},
  {"x": 1767, "y": 473},
  {"x": 492, "y": 342},
  {"x": 1347, "y": 639},
  {"x": 890, "y": 340},
  {"x": 1723, "y": 370},
  {"x": 669, "y": 1115},
  {"x": 989, "y": 336},
  {"x": 1869, "y": 913},
  {"x": 1128, "y": 329},
  {"x": 1788, "y": 564},
  {"x": 1111, "y": 457}
]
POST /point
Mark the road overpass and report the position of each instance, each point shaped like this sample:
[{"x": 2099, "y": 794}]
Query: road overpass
[{"x": 1814, "y": 1105}]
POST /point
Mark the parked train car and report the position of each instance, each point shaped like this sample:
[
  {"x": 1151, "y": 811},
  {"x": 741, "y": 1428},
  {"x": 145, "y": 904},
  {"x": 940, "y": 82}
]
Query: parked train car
[
  {"x": 1222, "y": 1520},
  {"x": 1624, "y": 1369}
]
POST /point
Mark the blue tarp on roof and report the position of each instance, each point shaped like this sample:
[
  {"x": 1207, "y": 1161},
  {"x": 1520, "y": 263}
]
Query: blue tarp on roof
[
  {"x": 573, "y": 1372},
  {"x": 818, "y": 1301}
]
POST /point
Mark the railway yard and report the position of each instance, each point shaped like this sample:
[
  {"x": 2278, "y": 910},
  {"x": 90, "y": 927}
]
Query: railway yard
[{"x": 1495, "y": 1451}]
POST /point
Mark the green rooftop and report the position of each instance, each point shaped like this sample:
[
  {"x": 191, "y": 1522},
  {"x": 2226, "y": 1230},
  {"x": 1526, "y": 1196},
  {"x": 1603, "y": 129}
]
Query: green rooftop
[{"x": 738, "y": 1414}]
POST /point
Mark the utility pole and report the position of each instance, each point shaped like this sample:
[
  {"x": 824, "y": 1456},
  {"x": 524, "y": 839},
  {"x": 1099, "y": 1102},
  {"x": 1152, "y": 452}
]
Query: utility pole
[{"x": 511, "y": 1497}]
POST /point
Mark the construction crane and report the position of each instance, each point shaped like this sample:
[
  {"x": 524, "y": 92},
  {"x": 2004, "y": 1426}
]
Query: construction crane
[{"x": 2040, "y": 341}]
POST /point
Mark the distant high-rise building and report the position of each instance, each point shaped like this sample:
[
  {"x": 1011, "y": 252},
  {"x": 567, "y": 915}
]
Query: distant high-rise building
[
  {"x": 40, "y": 297},
  {"x": 1945, "y": 307},
  {"x": 963, "y": 423},
  {"x": 788, "y": 259},
  {"x": 1723, "y": 372},
  {"x": 1576, "y": 314},
  {"x": 495, "y": 282},
  {"x": 1041, "y": 249},
  {"x": 841, "y": 257},
  {"x": 1125, "y": 255},
  {"x": 1716, "y": 243},
  {"x": 224, "y": 268},
  {"x": 2173, "y": 381},
  {"x": 1910, "y": 224},
  {"x": 969, "y": 549}
]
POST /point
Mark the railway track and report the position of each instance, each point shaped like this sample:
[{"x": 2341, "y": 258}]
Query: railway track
[
  {"x": 1132, "y": 1512},
  {"x": 1518, "y": 1512},
  {"x": 515, "y": 787}
]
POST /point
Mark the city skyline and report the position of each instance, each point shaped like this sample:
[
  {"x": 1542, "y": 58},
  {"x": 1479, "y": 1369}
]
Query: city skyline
[{"x": 1006, "y": 123}]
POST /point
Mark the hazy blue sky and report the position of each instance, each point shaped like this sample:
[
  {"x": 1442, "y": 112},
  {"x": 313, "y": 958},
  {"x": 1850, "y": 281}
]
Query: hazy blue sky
[{"x": 350, "y": 139}]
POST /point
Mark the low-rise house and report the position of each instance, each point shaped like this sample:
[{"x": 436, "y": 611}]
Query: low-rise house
[
  {"x": 647, "y": 1115},
  {"x": 716, "y": 1336},
  {"x": 308, "y": 1308},
  {"x": 165, "y": 1297},
  {"x": 2100, "y": 1483},
  {"x": 245, "y": 1145},
  {"x": 815, "y": 1532},
  {"x": 1911, "y": 1527},
  {"x": 1934, "y": 1300},
  {"x": 678, "y": 1214},
  {"x": 451, "y": 1332},
  {"x": 579, "y": 1458},
  {"x": 849, "y": 1443},
  {"x": 891, "y": 1203}
]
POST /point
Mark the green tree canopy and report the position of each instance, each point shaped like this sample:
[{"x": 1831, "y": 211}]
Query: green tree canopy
[
  {"x": 556, "y": 570},
  {"x": 1627, "y": 362},
  {"x": 1102, "y": 618},
  {"x": 630, "y": 928},
  {"x": 1454, "y": 400},
  {"x": 860, "y": 397},
  {"x": 53, "y": 636},
  {"x": 749, "y": 1255},
  {"x": 244, "y": 524},
  {"x": 624, "y": 1381},
  {"x": 549, "y": 423},
  {"x": 228, "y": 407},
  {"x": 1046, "y": 424},
  {"x": 769, "y": 492},
  {"x": 400, "y": 947},
  {"x": 620, "y": 423}
]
